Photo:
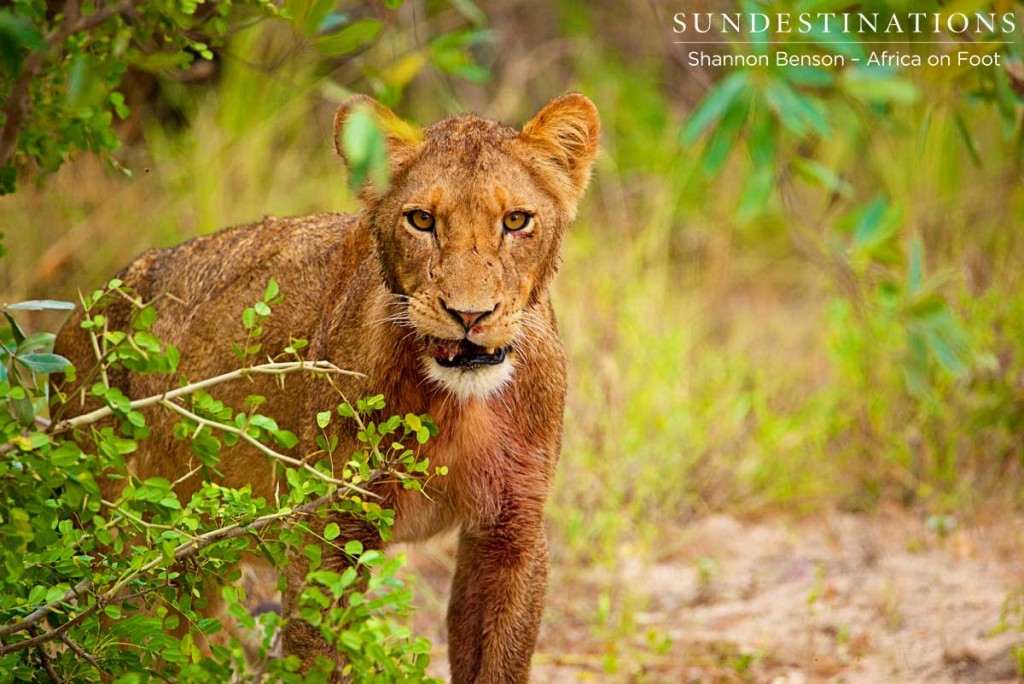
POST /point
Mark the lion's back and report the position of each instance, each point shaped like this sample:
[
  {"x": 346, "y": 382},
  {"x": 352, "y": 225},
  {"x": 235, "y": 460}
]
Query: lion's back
[{"x": 199, "y": 290}]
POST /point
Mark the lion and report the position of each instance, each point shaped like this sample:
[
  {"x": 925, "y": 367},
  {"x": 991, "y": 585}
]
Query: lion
[{"x": 437, "y": 293}]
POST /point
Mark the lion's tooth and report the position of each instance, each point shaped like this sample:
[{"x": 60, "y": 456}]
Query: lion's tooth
[{"x": 490, "y": 350}]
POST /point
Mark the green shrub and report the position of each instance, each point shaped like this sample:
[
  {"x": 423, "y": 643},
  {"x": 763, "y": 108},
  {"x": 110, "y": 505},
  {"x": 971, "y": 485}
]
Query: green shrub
[{"x": 98, "y": 590}]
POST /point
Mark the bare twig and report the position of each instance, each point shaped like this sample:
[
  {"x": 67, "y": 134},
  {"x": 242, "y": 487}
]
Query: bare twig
[
  {"x": 47, "y": 663},
  {"x": 39, "y": 613},
  {"x": 49, "y": 635},
  {"x": 275, "y": 368},
  {"x": 85, "y": 655},
  {"x": 277, "y": 455}
]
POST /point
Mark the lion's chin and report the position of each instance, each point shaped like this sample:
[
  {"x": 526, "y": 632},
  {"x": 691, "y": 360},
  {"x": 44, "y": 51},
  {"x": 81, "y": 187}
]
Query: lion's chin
[{"x": 472, "y": 373}]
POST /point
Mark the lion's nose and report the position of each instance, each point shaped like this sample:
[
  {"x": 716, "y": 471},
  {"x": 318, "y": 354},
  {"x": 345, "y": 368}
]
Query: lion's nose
[{"x": 467, "y": 319}]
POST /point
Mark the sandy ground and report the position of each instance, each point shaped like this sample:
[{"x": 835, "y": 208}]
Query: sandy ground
[{"x": 844, "y": 599}]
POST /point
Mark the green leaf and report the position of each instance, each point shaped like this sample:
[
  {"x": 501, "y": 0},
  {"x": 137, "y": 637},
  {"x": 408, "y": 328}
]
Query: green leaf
[
  {"x": 915, "y": 272},
  {"x": 757, "y": 191},
  {"x": 819, "y": 174},
  {"x": 272, "y": 290},
  {"x": 798, "y": 112},
  {"x": 8, "y": 181},
  {"x": 761, "y": 140},
  {"x": 466, "y": 8},
  {"x": 723, "y": 140},
  {"x": 356, "y": 35},
  {"x": 65, "y": 455},
  {"x": 315, "y": 16},
  {"x": 354, "y": 547},
  {"x": 285, "y": 438},
  {"x": 364, "y": 149},
  {"x": 323, "y": 419},
  {"x": 331, "y": 531},
  {"x": 145, "y": 318},
  {"x": 17, "y": 36},
  {"x": 120, "y": 108},
  {"x": 36, "y": 342},
  {"x": 351, "y": 640},
  {"x": 44, "y": 363},
  {"x": 40, "y": 305},
  {"x": 807, "y": 76},
  {"x": 869, "y": 221},
  {"x": 56, "y": 592},
  {"x": 209, "y": 626},
  {"x": 714, "y": 106},
  {"x": 37, "y": 594},
  {"x": 877, "y": 86},
  {"x": 86, "y": 88},
  {"x": 16, "y": 331},
  {"x": 372, "y": 558},
  {"x": 423, "y": 434}
]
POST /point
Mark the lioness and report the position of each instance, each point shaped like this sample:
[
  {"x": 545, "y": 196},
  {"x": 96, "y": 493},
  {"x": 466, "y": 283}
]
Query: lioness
[{"x": 437, "y": 291}]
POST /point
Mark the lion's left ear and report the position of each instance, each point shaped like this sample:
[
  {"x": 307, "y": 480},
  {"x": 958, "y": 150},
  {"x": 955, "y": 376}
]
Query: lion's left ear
[
  {"x": 401, "y": 139},
  {"x": 565, "y": 134}
]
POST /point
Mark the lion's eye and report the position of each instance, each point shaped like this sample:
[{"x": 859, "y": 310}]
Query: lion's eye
[
  {"x": 420, "y": 220},
  {"x": 516, "y": 220}
]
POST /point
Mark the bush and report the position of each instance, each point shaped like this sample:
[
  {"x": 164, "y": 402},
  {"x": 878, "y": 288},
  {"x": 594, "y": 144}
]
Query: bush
[{"x": 94, "y": 589}]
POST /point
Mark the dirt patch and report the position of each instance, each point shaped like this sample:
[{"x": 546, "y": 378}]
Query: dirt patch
[{"x": 848, "y": 598}]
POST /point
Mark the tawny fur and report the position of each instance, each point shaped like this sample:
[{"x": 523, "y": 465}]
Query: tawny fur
[{"x": 365, "y": 290}]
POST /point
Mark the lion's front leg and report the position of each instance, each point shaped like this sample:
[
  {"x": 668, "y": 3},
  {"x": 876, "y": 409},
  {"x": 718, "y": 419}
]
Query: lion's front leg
[
  {"x": 497, "y": 600},
  {"x": 301, "y": 638}
]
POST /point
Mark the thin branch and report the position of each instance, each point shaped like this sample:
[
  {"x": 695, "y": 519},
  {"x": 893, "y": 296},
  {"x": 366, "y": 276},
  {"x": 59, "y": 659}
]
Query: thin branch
[
  {"x": 275, "y": 368},
  {"x": 186, "y": 476},
  {"x": 48, "y": 635},
  {"x": 85, "y": 655},
  {"x": 47, "y": 663},
  {"x": 39, "y": 613},
  {"x": 277, "y": 455}
]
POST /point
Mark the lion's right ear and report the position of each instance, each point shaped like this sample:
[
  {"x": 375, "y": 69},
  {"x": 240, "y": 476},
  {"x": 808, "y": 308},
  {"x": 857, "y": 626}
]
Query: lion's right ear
[
  {"x": 401, "y": 139},
  {"x": 564, "y": 136}
]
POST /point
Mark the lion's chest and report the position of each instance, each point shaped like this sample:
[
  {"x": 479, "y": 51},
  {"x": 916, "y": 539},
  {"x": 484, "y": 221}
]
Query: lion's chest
[{"x": 472, "y": 443}]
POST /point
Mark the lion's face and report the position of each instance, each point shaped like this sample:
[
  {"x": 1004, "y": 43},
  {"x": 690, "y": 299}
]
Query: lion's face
[{"x": 469, "y": 232}]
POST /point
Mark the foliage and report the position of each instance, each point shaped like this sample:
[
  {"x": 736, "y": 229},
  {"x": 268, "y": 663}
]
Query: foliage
[
  {"x": 62, "y": 72},
  {"x": 793, "y": 134},
  {"x": 62, "y": 69},
  {"x": 96, "y": 588}
]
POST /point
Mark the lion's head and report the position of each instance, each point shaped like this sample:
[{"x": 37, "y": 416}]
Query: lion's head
[{"x": 469, "y": 229}]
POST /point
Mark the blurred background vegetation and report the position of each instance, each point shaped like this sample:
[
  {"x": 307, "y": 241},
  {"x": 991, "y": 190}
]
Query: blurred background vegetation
[{"x": 788, "y": 290}]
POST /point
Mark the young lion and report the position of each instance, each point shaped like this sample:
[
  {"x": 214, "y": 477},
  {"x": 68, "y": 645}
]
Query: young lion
[{"x": 437, "y": 292}]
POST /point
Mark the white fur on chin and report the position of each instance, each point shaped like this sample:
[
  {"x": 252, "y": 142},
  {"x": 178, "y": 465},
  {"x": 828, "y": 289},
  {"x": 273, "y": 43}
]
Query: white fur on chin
[{"x": 478, "y": 382}]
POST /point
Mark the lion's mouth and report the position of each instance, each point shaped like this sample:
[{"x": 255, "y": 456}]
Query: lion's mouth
[{"x": 463, "y": 353}]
